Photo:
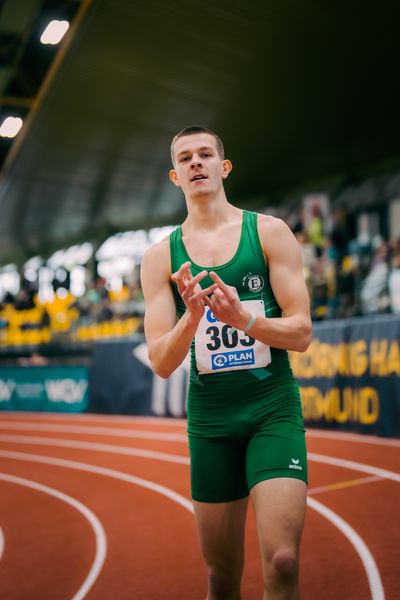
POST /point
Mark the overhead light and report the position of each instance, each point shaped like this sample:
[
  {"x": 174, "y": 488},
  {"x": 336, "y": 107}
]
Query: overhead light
[
  {"x": 54, "y": 32},
  {"x": 10, "y": 127}
]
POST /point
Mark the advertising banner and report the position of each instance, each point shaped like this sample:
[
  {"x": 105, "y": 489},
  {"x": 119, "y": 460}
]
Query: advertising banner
[
  {"x": 349, "y": 380},
  {"x": 59, "y": 389},
  {"x": 349, "y": 376}
]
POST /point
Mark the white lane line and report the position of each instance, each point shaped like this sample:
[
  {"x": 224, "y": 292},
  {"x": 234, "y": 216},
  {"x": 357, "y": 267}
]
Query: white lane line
[
  {"x": 151, "y": 454},
  {"x": 100, "y": 536},
  {"x": 355, "y": 466},
  {"x": 370, "y": 567},
  {"x": 126, "y": 419},
  {"x": 164, "y": 421},
  {"x": 2, "y": 543},
  {"x": 362, "y": 550},
  {"x": 73, "y": 464},
  {"x": 353, "y": 437},
  {"x": 97, "y": 447},
  {"x": 93, "y": 430}
]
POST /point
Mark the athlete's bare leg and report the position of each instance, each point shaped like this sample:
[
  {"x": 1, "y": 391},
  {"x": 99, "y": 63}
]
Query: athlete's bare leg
[
  {"x": 279, "y": 506},
  {"x": 221, "y": 532}
]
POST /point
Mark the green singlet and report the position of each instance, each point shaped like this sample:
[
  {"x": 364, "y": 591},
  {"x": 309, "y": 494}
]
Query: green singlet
[{"x": 245, "y": 420}]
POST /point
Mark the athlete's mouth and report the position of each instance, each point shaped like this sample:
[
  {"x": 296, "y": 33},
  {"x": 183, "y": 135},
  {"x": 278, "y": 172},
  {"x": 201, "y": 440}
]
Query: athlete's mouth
[{"x": 198, "y": 177}]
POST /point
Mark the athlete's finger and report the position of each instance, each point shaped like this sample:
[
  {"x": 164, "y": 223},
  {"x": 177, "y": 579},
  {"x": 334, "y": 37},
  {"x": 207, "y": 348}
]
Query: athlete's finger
[
  {"x": 206, "y": 292},
  {"x": 198, "y": 296},
  {"x": 195, "y": 280},
  {"x": 224, "y": 287},
  {"x": 181, "y": 271},
  {"x": 210, "y": 300},
  {"x": 219, "y": 294},
  {"x": 193, "y": 289}
]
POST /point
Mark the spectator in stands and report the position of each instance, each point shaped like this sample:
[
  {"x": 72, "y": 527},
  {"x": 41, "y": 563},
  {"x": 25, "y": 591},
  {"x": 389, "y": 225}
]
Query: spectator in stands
[
  {"x": 23, "y": 301},
  {"x": 394, "y": 281},
  {"x": 315, "y": 229},
  {"x": 34, "y": 360},
  {"x": 374, "y": 290},
  {"x": 83, "y": 305},
  {"x": 339, "y": 235},
  {"x": 8, "y": 299},
  {"x": 106, "y": 312},
  {"x": 298, "y": 226},
  {"x": 346, "y": 283}
]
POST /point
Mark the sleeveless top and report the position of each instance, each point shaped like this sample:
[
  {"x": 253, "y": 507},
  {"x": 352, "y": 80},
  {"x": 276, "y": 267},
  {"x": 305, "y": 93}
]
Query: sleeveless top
[{"x": 248, "y": 272}]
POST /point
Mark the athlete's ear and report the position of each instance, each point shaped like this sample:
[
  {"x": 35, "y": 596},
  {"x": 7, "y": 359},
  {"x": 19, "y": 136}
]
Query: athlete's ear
[
  {"x": 174, "y": 177},
  {"x": 226, "y": 168}
]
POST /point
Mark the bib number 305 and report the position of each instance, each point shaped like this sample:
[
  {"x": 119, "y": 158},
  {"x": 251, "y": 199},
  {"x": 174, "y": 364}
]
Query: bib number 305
[
  {"x": 221, "y": 337},
  {"x": 217, "y": 349}
]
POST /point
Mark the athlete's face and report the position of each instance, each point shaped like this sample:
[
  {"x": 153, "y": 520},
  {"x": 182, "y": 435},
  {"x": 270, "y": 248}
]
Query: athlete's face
[{"x": 199, "y": 169}]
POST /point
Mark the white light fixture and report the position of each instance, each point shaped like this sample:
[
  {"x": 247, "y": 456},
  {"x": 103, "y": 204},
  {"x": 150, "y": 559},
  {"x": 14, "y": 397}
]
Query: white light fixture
[
  {"x": 54, "y": 32},
  {"x": 10, "y": 127}
]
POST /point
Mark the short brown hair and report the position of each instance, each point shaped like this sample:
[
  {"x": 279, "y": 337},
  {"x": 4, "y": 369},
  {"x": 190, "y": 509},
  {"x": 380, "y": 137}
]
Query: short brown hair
[{"x": 193, "y": 130}]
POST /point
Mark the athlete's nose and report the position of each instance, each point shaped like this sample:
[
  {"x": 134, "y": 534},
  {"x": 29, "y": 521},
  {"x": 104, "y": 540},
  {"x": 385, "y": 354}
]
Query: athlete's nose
[{"x": 196, "y": 162}]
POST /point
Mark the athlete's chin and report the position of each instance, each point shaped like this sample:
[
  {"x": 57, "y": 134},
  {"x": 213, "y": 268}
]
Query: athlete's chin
[{"x": 201, "y": 193}]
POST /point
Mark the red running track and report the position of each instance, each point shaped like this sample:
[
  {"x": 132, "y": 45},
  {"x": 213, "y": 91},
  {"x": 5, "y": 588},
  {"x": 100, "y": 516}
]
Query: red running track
[{"x": 99, "y": 507}]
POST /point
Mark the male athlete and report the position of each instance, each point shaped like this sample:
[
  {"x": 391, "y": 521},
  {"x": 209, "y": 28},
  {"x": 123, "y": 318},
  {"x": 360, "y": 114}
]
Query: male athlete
[{"x": 228, "y": 286}]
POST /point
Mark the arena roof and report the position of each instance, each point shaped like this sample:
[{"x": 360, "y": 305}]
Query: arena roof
[{"x": 297, "y": 91}]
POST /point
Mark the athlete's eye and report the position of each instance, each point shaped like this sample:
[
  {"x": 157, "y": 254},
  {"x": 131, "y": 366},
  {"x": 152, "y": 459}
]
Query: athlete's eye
[{"x": 184, "y": 159}]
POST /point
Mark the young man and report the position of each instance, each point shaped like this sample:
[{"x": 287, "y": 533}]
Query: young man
[{"x": 234, "y": 280}]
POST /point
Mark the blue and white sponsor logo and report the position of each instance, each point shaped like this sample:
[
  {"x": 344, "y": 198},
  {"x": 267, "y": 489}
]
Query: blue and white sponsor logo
[
  {"x": 229, "y": 360},
  {"x": 210, "y": 317}
]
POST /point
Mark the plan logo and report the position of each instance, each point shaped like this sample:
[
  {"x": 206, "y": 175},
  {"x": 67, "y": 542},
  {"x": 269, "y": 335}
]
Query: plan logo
[
  {"x": 254, "y": 283},
  {"x": 295, "y": 464},
  {"x": 230, "y": 360}
]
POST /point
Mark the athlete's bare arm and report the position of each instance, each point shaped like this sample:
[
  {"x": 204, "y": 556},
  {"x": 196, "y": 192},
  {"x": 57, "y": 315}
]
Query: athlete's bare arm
[
  {"x": 293, "y": 330},
  {"x": 168, "y": 340}
]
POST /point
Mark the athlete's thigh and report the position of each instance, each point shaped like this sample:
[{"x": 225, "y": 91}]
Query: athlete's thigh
[
  {"x": 221, "y": 528},
  {"x": 277, "y": 478},
  {"x": 279, "y": 506}
]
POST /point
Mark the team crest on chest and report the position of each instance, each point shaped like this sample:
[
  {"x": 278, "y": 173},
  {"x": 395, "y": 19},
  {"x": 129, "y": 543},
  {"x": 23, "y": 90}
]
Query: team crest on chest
[{"x": 254, "y": 283}]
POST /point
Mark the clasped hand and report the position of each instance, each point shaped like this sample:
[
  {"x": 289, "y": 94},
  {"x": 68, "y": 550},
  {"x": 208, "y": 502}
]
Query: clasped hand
[{"x": 222, "y": 299}]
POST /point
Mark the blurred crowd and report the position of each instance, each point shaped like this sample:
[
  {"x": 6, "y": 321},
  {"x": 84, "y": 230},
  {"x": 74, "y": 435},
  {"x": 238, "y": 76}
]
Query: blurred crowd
[
  {"x": 345, "y": 276},
  {"x": 100, "y": 313}
]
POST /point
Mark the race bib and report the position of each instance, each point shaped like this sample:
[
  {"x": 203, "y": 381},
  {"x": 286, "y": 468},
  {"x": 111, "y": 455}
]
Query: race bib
[{"x": 217, "y": 350}]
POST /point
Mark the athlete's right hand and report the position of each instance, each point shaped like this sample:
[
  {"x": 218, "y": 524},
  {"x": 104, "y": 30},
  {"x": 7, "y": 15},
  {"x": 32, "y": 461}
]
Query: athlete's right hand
[{"x": 190, "y": 290}]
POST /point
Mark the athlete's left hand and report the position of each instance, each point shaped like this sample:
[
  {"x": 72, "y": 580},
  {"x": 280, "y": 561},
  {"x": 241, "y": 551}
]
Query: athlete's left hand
[{"x": 225, "y": 304}]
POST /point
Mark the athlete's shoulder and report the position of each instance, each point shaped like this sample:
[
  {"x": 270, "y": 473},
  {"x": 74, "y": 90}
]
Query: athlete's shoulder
[
  {"x": 157, "y": 257},
  {"x": 272, "y": 225},
  {"x": 275, "y": 235}
]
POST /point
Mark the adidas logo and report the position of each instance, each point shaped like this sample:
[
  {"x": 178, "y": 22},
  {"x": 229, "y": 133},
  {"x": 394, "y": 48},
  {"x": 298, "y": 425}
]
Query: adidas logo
[{"x": 295, "y": 464}]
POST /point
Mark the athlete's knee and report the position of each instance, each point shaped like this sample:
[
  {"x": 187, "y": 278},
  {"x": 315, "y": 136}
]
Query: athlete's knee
[{"x": 284, "y": 563}]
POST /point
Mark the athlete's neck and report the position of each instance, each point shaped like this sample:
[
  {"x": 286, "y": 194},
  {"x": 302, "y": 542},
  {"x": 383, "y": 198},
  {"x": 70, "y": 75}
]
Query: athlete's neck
[{"x": 209, "y": 216}]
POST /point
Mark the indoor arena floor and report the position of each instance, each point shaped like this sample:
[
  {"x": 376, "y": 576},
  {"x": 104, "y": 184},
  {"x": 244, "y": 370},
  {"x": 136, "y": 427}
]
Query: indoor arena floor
[{"x": 98, "y": 507}]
